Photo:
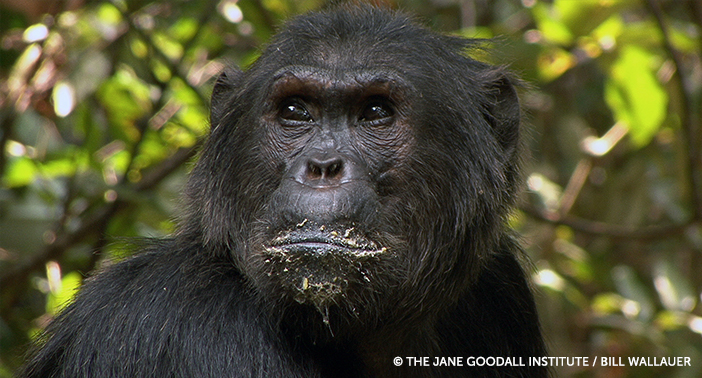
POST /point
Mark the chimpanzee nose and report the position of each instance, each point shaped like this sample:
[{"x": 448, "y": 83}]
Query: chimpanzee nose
[
  {"x": 327, "y": 187},
  {"x": 328, "y": 168}
]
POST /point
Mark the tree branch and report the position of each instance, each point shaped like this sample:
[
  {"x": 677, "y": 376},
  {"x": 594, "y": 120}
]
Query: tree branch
[{"x": 606, "y": 229}]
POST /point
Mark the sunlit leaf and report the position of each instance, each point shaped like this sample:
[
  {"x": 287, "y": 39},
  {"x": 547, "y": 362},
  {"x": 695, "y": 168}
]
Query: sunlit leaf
[
  {"x": 161, "y": 71},
  {"x": 183, "y": 29},
  {"x": 126, "y": 99},
  {"x": 195, "y": 118},
  {"x": 606, "y": 303},
  {"x": 109, "y": 20},
  {"x": 192, "y": 113},
  {"x": 607, "y": 33},
  {"x": 109, "y": 14},
  {"x": 178, "y": 135},
  {"x": 552, "y": 29},
  {"x": 21, "y": 171},
  {"x": 609, "y": 303},
  {"x": 58, "y": 168},
  {"x": 58, "y": 300},
  {"x": 118, "y": 161},
  {"x": 669, "y": 320},
  {"x": 153, "y": 149},
  {"x": 553, "y": 62},
  {"x": 139, "y": 48},
  {"x": 634, "y": 94},
  {"x": 168, "y": 46},
  {"x": 582, "y": 16}
]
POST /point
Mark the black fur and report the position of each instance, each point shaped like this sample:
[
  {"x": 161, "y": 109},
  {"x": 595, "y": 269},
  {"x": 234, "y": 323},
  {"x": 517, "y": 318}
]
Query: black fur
[{"x": 348, "y": 208}]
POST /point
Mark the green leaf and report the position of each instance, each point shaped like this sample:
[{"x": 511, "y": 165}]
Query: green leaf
[
  {"x": 183, "y": 29},
  {"x": 607, "y": 33},
  {"x": 607, "y": 303},
  {"x": 57, "y": 300},
  {"x": 172, "y": 49},
  {"x": 108, "y": 13},
  {"x": 582, "y": 16},
  {"x": 553, "y": 62},
  {"x": 58, "y": 168},
  {"x": 634, "y": 94},
  {"x": 20, "y": 172},
  {"x": 118, "y": 161},
  {"x": 126, "y": 99},
  {"x": 550, "y": 25}
]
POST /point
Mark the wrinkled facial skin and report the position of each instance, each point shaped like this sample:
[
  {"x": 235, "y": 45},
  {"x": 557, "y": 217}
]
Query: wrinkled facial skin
[{"x": 339, "y": 139}]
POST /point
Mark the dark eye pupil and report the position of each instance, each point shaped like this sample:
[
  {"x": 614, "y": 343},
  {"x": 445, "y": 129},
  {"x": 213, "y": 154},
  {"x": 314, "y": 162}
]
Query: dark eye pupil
[
  {"x": 295, "y": 112},
  {"x": 376, "y": 111}
]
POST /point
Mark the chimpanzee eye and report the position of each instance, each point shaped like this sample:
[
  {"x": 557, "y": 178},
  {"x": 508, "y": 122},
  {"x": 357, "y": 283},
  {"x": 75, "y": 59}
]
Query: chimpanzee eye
[
  {"x": 293, "y": 110},
  {"x": 377, "y": 109}
]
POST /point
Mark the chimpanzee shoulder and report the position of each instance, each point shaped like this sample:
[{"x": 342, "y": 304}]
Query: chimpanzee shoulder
[{"x": 166, "y": 312}]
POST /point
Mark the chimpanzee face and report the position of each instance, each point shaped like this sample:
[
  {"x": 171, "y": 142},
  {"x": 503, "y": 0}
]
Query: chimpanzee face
[
  {"x": 358, "y": 165},
  {"x": 338, "y": 140}
]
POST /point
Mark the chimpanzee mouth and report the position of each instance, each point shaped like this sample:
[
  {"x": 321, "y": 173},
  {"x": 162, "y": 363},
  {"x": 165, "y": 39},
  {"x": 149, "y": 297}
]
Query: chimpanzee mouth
[{"x": 321, "y": 240}]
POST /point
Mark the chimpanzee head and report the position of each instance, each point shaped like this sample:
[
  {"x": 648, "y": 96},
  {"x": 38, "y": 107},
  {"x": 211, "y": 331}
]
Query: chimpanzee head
[{"x": 361, "y": 167}]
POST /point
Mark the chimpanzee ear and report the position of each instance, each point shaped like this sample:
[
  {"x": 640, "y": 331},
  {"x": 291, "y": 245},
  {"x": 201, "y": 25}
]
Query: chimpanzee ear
[
  {"x": 503, "y": 112},
  {"x": 223, "y": 90}
]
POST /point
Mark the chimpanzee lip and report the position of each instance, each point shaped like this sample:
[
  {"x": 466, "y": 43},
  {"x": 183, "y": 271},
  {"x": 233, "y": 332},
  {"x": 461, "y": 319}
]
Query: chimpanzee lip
[{"x": 323, "y": 242}]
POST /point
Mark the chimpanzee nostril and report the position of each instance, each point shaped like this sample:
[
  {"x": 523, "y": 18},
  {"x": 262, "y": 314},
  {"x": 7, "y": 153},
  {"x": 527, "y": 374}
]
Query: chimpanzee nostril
[
  {"x": 334, "y": 169},
  {"x": 313, "y": 170},
  {"x": 325, "y": 169}
]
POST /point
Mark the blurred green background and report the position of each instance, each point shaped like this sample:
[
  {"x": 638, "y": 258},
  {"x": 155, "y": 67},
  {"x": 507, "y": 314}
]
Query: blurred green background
[{"x": 103, "y": 105}]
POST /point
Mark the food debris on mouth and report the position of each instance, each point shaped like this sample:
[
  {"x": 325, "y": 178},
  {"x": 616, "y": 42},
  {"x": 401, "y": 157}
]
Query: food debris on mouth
[{"x": 321, "y": 240}]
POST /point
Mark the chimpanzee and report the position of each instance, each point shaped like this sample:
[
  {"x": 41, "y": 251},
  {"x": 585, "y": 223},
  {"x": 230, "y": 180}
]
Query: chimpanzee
[{"x": 346, "y": 218}]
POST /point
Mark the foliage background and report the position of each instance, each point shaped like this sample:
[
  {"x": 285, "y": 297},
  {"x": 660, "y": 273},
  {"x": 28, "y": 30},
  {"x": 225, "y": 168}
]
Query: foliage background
[{"x": 103, "y": 104}]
